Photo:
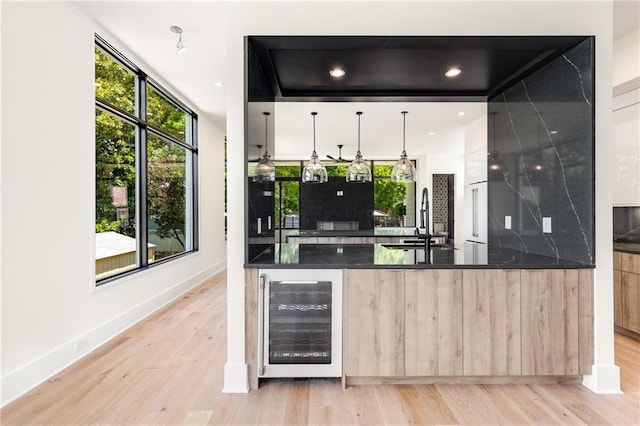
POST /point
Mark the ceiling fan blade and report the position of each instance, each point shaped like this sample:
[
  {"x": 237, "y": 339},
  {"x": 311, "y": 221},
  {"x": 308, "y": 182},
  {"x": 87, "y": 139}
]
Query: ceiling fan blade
[{"x": 334, "y": 159}]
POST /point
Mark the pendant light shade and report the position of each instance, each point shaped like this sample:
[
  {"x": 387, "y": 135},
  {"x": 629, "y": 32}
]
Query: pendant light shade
[
  {"x": 359, "y": 170},
  {"x": 266, "y": 168},
  {"x": 403, "y": 170},
  {"x": 314, "y": 171}
]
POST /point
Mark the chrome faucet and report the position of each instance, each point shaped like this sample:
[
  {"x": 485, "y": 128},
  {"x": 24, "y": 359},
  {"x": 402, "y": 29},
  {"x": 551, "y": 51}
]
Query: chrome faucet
[{"x": 424, "y": 219}]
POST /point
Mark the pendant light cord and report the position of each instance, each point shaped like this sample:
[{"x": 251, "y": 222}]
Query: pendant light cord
[
  {"x": 359, "y": 113},
  {"x": 266, "y": 132},
  {"x": 314, "y": 131},
  {"x": 404, "y": 129}
]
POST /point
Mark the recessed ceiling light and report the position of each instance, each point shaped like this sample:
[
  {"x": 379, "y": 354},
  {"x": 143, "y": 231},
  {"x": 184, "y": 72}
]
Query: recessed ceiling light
[
  {"x": 432, "y": 133},
  {"x": 452, "y": 72},
  {"x": 461, "y": 113},
  {"x": 337, "y": 72},
  {"x": 218, "y": 84},
  {"x": 494, "y": 167},
  {"x": 553, "y": 132}
]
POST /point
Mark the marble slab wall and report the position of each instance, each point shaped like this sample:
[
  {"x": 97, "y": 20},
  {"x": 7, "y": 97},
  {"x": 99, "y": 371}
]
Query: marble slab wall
[{"x": 541, "y": 160}]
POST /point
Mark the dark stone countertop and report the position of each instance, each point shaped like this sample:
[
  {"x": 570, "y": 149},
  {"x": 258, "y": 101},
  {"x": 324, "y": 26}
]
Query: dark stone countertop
[
  {"x": 627, "y": 247},
  {"x": 462, "y": 256},
  {"x": 376, "y": 232}
]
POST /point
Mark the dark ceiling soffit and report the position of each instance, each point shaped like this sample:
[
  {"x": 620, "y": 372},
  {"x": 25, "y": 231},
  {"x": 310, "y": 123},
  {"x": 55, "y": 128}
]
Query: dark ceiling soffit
[
  {"x": 360, "y": 98},
  {"x": 553, "y": 47}
]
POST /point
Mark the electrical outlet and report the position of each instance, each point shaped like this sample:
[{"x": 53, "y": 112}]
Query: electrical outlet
[
  {"x": 81, "y": 343},
  {"x": 546, "y": 225},
  {"x": 507, "y": 222}
]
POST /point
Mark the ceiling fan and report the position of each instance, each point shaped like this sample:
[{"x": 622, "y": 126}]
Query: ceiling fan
[{"x": 339, "y": 159}]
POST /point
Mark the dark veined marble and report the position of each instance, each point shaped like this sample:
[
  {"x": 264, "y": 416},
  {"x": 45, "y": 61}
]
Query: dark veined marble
[
  {"x": 541, "y": 160},
  {"x": 626, "y": 225}
]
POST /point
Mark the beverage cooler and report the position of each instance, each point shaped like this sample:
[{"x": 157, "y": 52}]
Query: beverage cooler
[{"x": 300, "y": 323}]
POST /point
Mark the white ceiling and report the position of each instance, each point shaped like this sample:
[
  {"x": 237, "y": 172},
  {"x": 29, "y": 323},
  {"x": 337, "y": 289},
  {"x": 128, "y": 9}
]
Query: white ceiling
[
  {"x": 143, "y": 28},
  {"x": 380, "y": 128}
]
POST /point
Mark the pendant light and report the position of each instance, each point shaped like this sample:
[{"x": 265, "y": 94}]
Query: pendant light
[
  {"x": 314, "y": 171},
  {"x": 403, "y": 170},
  {"x": 359, "y": 170},
  {"x": 266, "y": 168}
]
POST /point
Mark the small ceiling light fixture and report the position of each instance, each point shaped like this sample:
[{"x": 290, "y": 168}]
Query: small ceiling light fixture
[
  {"x": 452, "y": 72},
  {"x": 337, "y": 72},
  {"x": 218, "y": 84},
  {"x": 359, "y": 170},
  {"x": 314, "y": 171},
  {"x": 461, "y": 113},
  {"x": 180, "y": 48},
  {"x": 266, "y": 168},
  {"x": 432, "y": 133},
  {"x": 403, "y": 170},
  {"x": 553, "y": 132}
]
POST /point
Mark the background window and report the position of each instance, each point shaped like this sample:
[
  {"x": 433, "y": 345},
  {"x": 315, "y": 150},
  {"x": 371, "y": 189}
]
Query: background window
[{"x": 146, "y": 158}]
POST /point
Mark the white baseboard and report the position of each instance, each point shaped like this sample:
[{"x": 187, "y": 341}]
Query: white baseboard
[
  {"x": 21, "y": 380},
  {"x": 605, "y": 379},
  {"x": 236, "y": 378}
]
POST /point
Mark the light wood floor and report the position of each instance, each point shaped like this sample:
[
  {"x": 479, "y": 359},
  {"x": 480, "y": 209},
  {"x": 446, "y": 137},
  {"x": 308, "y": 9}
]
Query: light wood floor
[{"x": 168, "y": 370}]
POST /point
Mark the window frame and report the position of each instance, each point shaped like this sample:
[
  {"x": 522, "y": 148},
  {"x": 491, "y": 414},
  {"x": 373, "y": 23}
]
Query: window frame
[{"x": 142, "y": 128}]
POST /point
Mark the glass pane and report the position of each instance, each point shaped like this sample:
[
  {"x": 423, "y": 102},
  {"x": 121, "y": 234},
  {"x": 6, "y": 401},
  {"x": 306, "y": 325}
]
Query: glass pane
[
  {"x": 166, "y": 116},
  {"x": 114, "y": 83},
  {"x": 168, "y": 195},
  {"x": 337, "y": 171},
  {"x": 288, "y": 169},
  {"x": 383, "y": 169},
  {"x": 389, "y": 202},
  {"x": 300, "y": 323},
  {"x": 287, "y": 206},
  {"x": 116, "y": 244}
]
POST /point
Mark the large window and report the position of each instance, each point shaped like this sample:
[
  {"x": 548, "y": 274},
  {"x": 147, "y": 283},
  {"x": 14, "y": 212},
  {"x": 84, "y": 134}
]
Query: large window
[{"x": 146, "y": 157}]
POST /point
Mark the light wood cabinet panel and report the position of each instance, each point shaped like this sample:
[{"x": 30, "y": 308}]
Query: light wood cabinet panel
[
  {"x": 433, "y": 322},
  {"x": 630, "y": 262},
  {"x": 251, "y": 324},
  {"x": 550, "y": 322},
  {"x": 491, "y": 322},
  {"x": 617, "y": 298},
  {"x": 617, "y": 260},
  {"x": 585, "y": 321},
  {"x": 631, "y": 301},
  {"x": 374, "y": 312}
]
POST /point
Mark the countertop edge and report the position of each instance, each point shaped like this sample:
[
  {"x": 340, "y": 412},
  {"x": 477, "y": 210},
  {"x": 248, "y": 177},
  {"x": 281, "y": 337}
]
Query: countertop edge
[{"x": 424, "y": 266}]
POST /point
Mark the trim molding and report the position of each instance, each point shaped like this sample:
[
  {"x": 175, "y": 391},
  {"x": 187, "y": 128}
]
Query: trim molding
[
  {"x": 21, "y": 380},
  {"x": 604, "y": 379},
  {"x": 236, "y": 378}
]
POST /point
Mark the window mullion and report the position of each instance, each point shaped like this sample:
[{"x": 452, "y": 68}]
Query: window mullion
[
  {"x": 143, "y": 231},
  {"x": 195, "y": 225}
]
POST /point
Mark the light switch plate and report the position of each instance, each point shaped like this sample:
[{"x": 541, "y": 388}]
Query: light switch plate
[
  {"x": 507, "y": 222},
  {"x": 546, "y": 225},
  {"x": 259, "y": 225},
  {"x": 339, "y": 193}
]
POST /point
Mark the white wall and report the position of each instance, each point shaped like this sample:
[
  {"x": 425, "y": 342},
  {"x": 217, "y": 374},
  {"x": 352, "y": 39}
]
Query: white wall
[
  {"x": 626, "y": 57},
  {"x": 424, "y": 18},
  {"x": 48, "y": 296},
  {"x": 428, "y": 165}
]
